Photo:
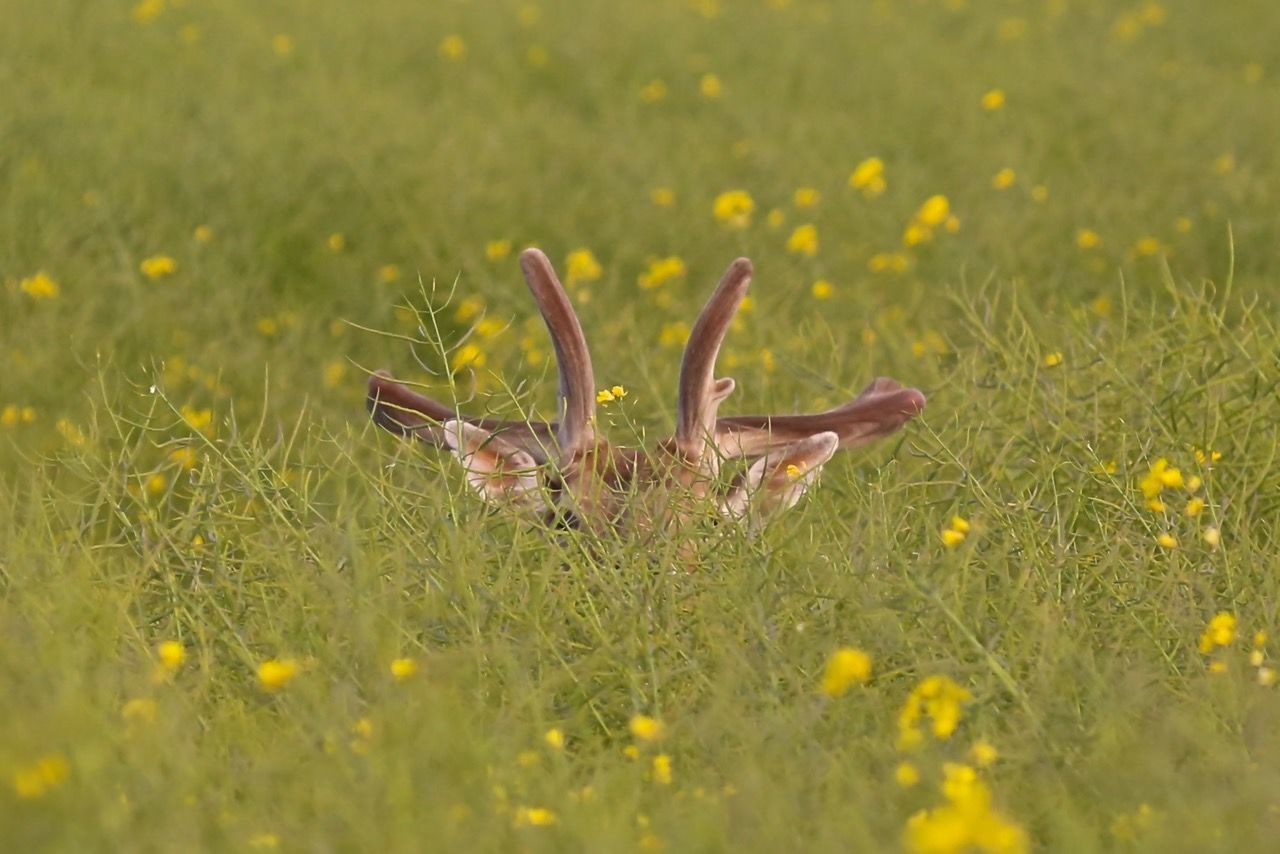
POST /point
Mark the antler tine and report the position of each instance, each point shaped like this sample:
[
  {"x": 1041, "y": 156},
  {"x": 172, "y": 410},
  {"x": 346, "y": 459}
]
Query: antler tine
[
  {"x": 577, "y": 382},
  {"x": 700, "y": 394}
]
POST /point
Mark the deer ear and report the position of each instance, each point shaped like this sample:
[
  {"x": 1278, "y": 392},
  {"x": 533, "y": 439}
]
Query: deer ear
[
  {"x": 775, "y": 482},
  {"x": 498, "y": 470}
]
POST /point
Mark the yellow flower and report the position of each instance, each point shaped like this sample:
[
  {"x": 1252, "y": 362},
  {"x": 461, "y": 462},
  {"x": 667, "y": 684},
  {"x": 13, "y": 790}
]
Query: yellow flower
[
  {"x": 468, "y": 356},
  {"x": 906, "y": 774},
  {"x": 171, "y": 654},
  {"x": 40, "y": 286},
  {"x": 1147, "y": 246},
  {"x": 662, "y": 270},
  {"x": 335, "y": 371},
  {"x": 1167, "y": 541},
  {"x": 734, "y": 208},
  {"x": 139, "y": 709},
  {"x": 1004, "y": 179},
  {"x": 537, "y": 56},
  {"x": 887, "y": 262},
  {"x": 933, "y": 211},
  {"x": 674, "y": 334},
  {"x": 534, "y": 817},
  {"x": 453, "y": 48},
  {"x": 403, "y": 668},
  {"x": 1212, "y": 536},
  {"x": 937, "y": 698},
  {"x": 202, "y": 234},
  {"x": 983, "y": 753},
  {"x": 710, "y": 86},
  {"x": 554, "y": 739},
  {"x": 1182, "y": 224},
  {"x": 1195, "y": 507},
  {"x": 646, "y": 728},
  {"x": 1087, "y": 238},
  {"x": 804, "y": 241},
  {"x": 662, "y": 769},
  {"x": 993, "y": 99},
  {"x": 275, "y": 673},
  {"x": 822, "y": 289},
  {"x": 497, "y": 250},
  {"x": 147, "y": 11},
  {"x": 663, "y": 197},
  {"x": 806, "y": 197},
  {"x": 268, "y": 841},
  {"x": 388, "y": 273},
  {"x": 282, "y": 45},
  {"x": 846, "y": 667},
  {"x": 158, "y": 266},
  {"x": 582, "y": 266},
  {"x": 1039, "y": 194},
  {"x": 1052, "y": 360},
  {"x": 653, "y": 92},
  {"x": 631, "y": 752},
  {"x": 336, "y": 242},
  {"x": 1225, "y": 164},
  {"x": 952, "y": 538},
  {"x": 1266, "y": 677},
  {"x": 960, "y": 524},
  {"x": 868, "y": 177},
  {"x": 794, "y": 471},
  {"x": 1219, "y": 631},
  {"x": 604, "y": 395},
  {"x": 46, "y": 774}
]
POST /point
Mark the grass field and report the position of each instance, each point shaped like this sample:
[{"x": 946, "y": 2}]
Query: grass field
[{"x": 236, "y": 616}]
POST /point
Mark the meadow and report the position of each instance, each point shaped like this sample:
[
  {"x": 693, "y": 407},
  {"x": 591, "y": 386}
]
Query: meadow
[{"x": 234, "y": 615}]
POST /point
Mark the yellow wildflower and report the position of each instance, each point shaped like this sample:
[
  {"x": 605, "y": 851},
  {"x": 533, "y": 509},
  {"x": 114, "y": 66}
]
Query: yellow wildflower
[
  {"x": 993, "y": 99},
  {"x": 710, "y": 86},
  {"x": 653, "y": 92},
  {"x": 1212, "y": 536},
  {"x": 403, "y": 668},
  {"x": 202, "y": 234},
  {"x": 554, "y": 739},
  {"x": 1219, "y": 631},
  {"x": 1004, "y": 179},
  {"x": 453, "y": 48},
  {"x": 868, "y": 177},
  {"x": 171, "y": 654},
  {"x": 147, "y": 11},
  {"x": 662, "y": 769},
  {"x": 663, "y": 197},
  {"x": 983, "y": 753},
  {"x": 40, "y": 286},
  {"x": 140, "y": 710},
  {"x": 806, "y": 197},
  {"x": 804, "y": 240},
  {"x": 582, "y": 266},
  {"x": 468, "y": 356},
  {"x": 1266, "y": 677},
  {"x": 1052, "y": 360},
  {"x": 282, "y": 45},
  {"x": 662, "y": 270},
  {"x": 1225, "y": 164},
  {"x": 846, "y": 667},
  {"x": 38, "y": 779},
  {"x": 276, "y": 673},
  {"x": 1147, "y": 246},
  {"x": 1040, "y": 194},
  {"x": 1195, "y": 506},
  {"x": 1087, "y": 238},
  {"x": 822, "y": 289},
  {"x": 1167, "y": 541},
  {"x": 388, "y": 273},
  {"x": 534, "y": 817},
  {"x": 158, "y": 266},
  {"x": 734, "y": 208},
  {"x": 936, "y": 697},
  {"x": 906, "y": 774},
  {"x": 933, "y": 211},
  {"x": 646, "y": 728}
]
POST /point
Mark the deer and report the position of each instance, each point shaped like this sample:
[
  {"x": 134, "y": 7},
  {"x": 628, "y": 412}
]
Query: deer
[{"x": 566, "y": 470}]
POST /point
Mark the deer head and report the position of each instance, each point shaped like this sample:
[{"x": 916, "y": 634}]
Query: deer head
[{"x": 568, "y": 470}]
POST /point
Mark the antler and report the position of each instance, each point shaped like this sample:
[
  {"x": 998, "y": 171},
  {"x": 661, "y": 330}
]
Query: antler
[
  {"x": 700, "y": 393},
  {"x": 785, "y": 452},
  {"x": 577, "y": 400}
]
